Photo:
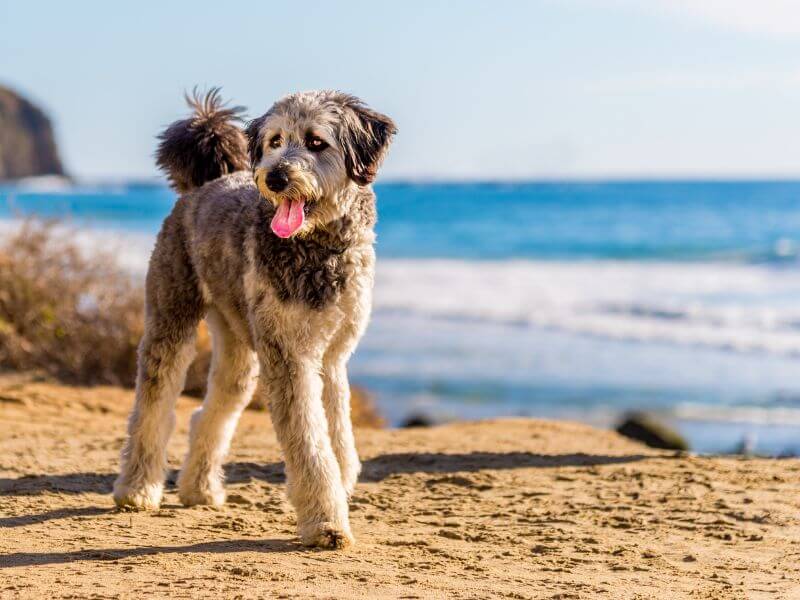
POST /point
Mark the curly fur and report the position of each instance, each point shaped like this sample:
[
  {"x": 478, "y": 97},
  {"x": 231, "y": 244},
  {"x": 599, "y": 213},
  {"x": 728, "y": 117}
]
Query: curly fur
[{"x": 288, "y": 311}]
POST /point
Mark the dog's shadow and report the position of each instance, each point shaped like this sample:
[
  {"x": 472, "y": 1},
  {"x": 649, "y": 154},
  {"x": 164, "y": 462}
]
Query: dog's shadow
[
  {"x": 31, "y": 559},
  {"x": 382, "y": 466},
  {"x": 373, "y": 470}
]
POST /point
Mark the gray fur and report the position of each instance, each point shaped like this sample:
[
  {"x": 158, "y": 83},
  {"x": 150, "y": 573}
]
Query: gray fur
[{"x": 293, "y": 308}]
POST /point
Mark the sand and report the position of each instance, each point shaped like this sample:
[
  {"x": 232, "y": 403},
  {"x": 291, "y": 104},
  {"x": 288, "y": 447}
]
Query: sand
[{"x": 498, "y": 509}]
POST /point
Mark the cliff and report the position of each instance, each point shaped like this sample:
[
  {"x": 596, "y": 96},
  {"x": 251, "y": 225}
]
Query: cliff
[{"x": 27, "y": 144}]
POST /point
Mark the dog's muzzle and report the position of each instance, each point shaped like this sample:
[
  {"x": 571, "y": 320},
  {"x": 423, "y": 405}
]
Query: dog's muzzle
[
  {"x": 290, "y": 192},
  {"x": 277, "y": 180}
]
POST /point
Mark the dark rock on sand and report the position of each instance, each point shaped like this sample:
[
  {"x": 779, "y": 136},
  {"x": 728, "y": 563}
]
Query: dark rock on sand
[
  {"x": 27, "y": 144},
  {"x": 649, "y": 430},
  {"x": 418, "y": 420}
]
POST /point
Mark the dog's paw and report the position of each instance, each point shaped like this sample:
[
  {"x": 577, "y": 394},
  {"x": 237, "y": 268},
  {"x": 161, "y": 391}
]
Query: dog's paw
[
  {"x": 327, "y": 536},
  {"x": 147, "y": 497},
  {"x": 194, "y": 495}
]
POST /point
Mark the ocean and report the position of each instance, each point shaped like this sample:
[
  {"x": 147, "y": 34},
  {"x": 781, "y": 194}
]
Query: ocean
[{"x": 559, "y": 300}]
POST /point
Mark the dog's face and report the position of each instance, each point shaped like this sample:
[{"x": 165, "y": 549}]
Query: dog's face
[{"x": 308, "y": 151}]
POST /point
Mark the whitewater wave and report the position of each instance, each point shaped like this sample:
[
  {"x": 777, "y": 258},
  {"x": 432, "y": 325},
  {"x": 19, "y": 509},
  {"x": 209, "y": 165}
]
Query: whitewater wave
[
  {"x": 731, "y": 306},
  {"x": 131, "y": 250},
  {"x": 754, "y": 308},
  {"x": 57, "y": 185},
  {"x": 41, "y": 184},
  {"x": 715, "y": 413}
]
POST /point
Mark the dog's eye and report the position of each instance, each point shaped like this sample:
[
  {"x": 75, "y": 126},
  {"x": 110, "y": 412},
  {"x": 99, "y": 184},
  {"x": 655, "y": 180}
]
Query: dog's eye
[
  {"x": 275, "y": 141},
  {"x": 316, "y": 143}
]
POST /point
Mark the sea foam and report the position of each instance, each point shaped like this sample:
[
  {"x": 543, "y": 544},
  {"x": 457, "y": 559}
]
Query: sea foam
[{"x": 743, "y": 307}]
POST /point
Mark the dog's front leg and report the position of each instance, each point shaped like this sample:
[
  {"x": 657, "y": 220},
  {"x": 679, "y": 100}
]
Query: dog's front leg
[{"x": 314, "y": 484}]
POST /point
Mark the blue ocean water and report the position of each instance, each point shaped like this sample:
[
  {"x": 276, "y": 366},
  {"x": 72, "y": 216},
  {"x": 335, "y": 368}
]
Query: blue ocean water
[
  {"x": 578, "y": 300},
  {"x": 484, "y": 221}
]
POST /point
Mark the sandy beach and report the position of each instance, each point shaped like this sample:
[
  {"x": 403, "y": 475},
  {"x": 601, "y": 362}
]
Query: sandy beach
[{"x": 496, "y": 509}]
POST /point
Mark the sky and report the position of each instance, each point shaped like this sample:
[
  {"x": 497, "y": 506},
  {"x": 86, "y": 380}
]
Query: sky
[{"x": 480, "y": 90}]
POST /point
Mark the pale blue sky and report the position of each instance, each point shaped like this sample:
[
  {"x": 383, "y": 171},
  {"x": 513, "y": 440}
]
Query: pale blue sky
[{"x": 480, "y": 90}]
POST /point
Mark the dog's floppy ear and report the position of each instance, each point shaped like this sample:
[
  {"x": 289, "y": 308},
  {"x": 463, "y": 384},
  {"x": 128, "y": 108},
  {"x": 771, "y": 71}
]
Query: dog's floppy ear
[
  {"x": 254, "y": 143},
  {"x": 365, "y": 138}
]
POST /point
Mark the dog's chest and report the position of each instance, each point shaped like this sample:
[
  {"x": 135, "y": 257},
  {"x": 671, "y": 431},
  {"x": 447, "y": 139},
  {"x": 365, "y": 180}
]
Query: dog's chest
[{"x": 306, "y": 272}]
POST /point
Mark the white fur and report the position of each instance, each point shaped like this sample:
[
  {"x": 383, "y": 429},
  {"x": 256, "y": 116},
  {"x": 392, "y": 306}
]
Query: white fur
[{"x": 231, "y": 381}]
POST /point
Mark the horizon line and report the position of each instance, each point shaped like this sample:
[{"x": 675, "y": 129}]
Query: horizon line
[{"x": 447, "y": 180}]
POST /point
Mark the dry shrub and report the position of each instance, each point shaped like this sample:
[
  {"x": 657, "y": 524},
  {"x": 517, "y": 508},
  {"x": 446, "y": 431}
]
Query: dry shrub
[
  {"x": 79, "y": 317},
  {"x": 364, "y": 411},
  {"x": 75, "y": 317}
]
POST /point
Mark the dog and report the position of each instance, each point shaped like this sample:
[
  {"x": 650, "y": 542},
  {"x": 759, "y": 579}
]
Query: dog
[{"x": 272, "y": 243}]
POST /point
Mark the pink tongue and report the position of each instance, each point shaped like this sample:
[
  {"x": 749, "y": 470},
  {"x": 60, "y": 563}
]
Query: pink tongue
[{"x": 288, "y": 218}]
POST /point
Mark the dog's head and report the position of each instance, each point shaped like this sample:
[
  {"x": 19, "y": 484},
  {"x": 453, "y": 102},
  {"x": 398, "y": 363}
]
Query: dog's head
[{"x": 309, "y": 150}]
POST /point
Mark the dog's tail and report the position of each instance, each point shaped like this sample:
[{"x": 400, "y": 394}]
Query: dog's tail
[{"x": 207, "y": 145}]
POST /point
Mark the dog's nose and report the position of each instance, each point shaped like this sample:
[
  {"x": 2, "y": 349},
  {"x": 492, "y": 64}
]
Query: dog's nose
[{"x": 277, "y": 180}]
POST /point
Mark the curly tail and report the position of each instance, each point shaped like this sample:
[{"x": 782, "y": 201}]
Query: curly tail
[{"x": 207, "y": 145}]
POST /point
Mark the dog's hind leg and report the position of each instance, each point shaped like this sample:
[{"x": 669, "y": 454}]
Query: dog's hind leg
[
  {"x": 314, "y": 483},
  {"x": 163, "y": 361},
  {"x": 174, "y": 307},
  {"x": 336, "y": 398},
  {"x": 231, "y": 381},
  {"x": 336, "y": 387}
]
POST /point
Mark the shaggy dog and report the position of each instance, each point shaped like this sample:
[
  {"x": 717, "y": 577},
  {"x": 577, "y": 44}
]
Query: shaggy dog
[{"x": 271, "y": 242}]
